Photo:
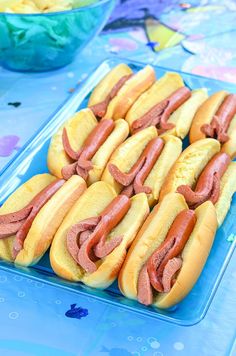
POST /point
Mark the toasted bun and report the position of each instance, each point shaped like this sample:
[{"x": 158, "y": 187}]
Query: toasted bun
[
  {"x": 151, "y": 235},
  {"x": 129, "y": 93},
  {"x": 227, "y": 189},
  {"x": 183, "y": 116},
  {"x": 159, "y": 91},
  {"x": 78, "y": 128},
  {"x": 104, "y": 87},
  {"x": 48, "y": 220},
  {"x": 128, "y": 228},
  {"x": 190, "y": 164},
  {"x": 127, "y": 154},
  {"x": 157, "y": 176},
  {"x": 154, "y": 232},
  {"x": 18, "y": 200},
  {"x": 205, "y": 114},
  {"x": 90, "y": 204},
  {"x": 194, "y": 256}
]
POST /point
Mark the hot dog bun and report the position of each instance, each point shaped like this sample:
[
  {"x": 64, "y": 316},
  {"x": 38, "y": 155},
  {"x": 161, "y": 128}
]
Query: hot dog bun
[
  {"x": 103, "y": 89},
  {"x": 154, "y": 232},
  {"x": 159, "y": 91},
  {"x": 129, "y": 93},
  {"x": 129, "y": 151},
  {"x": 46, "y": 221},
  {"x": 189, "y": 166},
  {"x": 91, "y": 204},
  {"x": 205, "y": 114},
  {"x": 78, "y": 128}
]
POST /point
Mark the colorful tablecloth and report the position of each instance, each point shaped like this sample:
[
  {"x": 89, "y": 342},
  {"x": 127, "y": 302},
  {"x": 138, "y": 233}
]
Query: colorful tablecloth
[{"x": 35, "y": 319}]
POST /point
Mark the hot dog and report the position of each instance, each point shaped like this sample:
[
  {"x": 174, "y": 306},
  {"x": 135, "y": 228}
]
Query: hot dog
[
  {"x": 83, "y": 146},
  {"x": 167, "y": 256},
  {"x": 91, "y": 244},
  {"x": 216, "y": 118},
  {"x": 168, "y": 105},
  {"x": 118, "y": 90},
  {"x": 141, "y": 163},
  {"x": 31, "y": 215},
  {"x": 201, "y": 173}
]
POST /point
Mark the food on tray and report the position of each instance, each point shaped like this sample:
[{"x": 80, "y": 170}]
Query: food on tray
[
  {"x": 83, "y": 146},
  {"x": 32, "y": 214},
  {"x": 118, "y": 90},
  {"x": 91, "y": 243},
  {"x": 168, "y": 254},
  {"x": 141, "y": 163},
  {"x": 216, "y": 118},
  {"x": 202, "y": 173},
  {"x": 35, "y": 6},
  {"x": 168, "y": 104}
]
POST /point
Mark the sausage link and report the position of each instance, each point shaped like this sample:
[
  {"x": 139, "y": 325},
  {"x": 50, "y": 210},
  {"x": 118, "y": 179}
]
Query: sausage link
[
  {"x": 176, "y": 239},
  {"x": 219, "y": 125},
  {"x": 160, "y": 113},
  {"x": 208, "y": 184},
  {"x": 110, "y": 217}
]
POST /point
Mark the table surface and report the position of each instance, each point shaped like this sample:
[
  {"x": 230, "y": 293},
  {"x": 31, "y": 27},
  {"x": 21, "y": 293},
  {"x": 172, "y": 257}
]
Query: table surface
[{"x": 32, "y": 314}]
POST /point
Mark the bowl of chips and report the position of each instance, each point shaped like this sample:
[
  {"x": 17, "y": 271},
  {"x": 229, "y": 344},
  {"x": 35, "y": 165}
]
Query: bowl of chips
[{"x": 41, "y": 35}]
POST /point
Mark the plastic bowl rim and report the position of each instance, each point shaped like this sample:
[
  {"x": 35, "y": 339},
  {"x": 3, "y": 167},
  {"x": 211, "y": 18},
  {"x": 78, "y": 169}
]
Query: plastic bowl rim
[{"x": 65, "y": 12}]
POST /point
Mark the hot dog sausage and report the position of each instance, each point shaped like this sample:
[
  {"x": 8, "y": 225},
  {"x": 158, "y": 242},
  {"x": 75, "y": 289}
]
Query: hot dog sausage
[
  {"x": 91, "y": 145},
  {"x": 160, "y": 113},
  {"x": 208, "y": 184},
  {"x": 133, "y": 181},
  {"x": 100, "y": 109},
  {"x": 220, "y": 123},
  {"x": 162, "y": 265}
]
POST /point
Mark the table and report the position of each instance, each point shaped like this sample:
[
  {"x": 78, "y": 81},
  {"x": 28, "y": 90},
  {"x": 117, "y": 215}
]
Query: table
[{"x": 32, "y": 314}]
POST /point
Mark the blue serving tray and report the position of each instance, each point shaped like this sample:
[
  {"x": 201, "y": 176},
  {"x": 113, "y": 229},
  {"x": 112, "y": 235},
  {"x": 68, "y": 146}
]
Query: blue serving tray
[{"x": 33, "y": 160}]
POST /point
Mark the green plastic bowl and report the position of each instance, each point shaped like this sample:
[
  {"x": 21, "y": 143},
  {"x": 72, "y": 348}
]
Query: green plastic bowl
[{"x": 42, "y": 42}]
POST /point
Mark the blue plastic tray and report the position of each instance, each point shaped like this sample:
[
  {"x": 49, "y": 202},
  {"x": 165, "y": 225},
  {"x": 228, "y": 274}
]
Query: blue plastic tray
[{"x": 32, "y": 160}]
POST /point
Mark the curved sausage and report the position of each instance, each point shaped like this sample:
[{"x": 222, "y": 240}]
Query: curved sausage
[
  {"x": 160, "y": 113},
  {"x": 172, "y": 266},
  {"x": 10, "y": 229},
  {"x": 145, "y": 294},
  {"x": 16, "y": 216},
  {"x": 110, "y": 217},
  {"x": 75, "y": 236},
  {"x": 133, "y": 181},
  {"x": 37, "y": 203},
  {"x": 152, "y": 152},
  {"x": 221, "y": 120},
  {"x": 208, "y": 184},
  {"x": 171, "y": 247},
  {"x": 83, "y": 157},
  {"x": 100, "y": 109}
]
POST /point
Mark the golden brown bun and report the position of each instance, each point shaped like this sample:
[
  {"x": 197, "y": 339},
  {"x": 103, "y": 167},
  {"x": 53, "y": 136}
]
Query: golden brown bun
[
  {"x": 104, "y": 87},
  {"x": 190, "y": 164},
  {"x": 90, "y": 204},
  {"x": 47, "y": 220},
  {"x": 183, "y": 116},
  {"x": 154, "y": 232},
  {"x": 129, "y": 151},
  {"x": 129, "y": 93},
  {"x": 18, "y": 200},
  {"x": 78, "y": 128},
  {"x": 128, "y": 228},
  {"x": 159, "y": 91},
  {"x": 227, "y": 189},
  {"x": 194, "y": 256},
  {"x": 205, "y": 114},
  {"x": 150, "y": 236}
]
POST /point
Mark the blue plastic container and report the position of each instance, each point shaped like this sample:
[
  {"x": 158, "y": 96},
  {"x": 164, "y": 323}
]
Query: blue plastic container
[
  {"x": 42, "y": 42},
  {"x": 32, "y": 160}
]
